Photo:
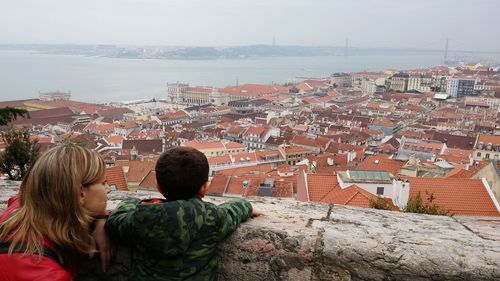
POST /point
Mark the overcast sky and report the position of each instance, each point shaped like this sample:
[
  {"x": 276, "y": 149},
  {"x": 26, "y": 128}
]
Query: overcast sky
[{"x": 470, "y": 24}]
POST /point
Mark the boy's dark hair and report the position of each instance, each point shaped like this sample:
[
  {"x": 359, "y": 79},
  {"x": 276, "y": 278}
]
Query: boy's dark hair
[{"x": 180, "y": 172}]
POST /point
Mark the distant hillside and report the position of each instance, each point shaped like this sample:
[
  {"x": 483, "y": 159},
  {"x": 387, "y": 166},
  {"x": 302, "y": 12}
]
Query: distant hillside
[
  {"x": 166, "y": 52},
  {"x": 209, "y": 52}
]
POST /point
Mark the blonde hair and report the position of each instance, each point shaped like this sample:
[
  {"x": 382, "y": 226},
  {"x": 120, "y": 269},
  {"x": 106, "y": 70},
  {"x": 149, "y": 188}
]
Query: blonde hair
[{"x": 50, "y": 205}]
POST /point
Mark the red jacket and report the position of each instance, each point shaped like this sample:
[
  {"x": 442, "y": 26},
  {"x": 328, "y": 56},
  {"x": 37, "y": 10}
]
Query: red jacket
[{"x": 19, "y": 267}]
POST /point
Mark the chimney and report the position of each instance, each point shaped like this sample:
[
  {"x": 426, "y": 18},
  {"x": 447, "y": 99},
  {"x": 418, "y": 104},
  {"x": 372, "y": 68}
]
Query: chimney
[{"x": 329, "y": 161}]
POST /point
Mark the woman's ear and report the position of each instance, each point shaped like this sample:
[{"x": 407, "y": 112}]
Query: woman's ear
[
  {"x": 203, "y": 190},
  {"x": 83, "y": 195}
]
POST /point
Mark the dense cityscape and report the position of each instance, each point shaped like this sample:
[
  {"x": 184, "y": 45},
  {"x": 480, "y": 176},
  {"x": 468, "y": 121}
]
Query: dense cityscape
[
  {"x": 354, "y": 139},
  {"x": 237, "y": 140}
]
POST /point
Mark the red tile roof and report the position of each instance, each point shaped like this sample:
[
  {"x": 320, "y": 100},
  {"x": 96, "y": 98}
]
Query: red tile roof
[
  {"x": 264, "y": 168},
  {"x": 456, "y": 155},
  {"x": 16, "y": 103},
  {"x": 246, "y": 185},
  {"x": 115, "y": 176},
  {"x": 89, "y": 108},
  {"x": 351, "y": 196},
  {"x": 282, "y": 189},
  {"x": 218, "y": 184},
  {"x": 149, "y": 181},
  {"x": 235, "y": 130},
  {"x": 204, "y": 145},
  {"x": 218, "y": 160},
  {"x": 254, "y": 90},
  {"x": 382, "y": 122},
  {"x": 174, "y": 115},
  {"x": 244, "y": 157},
  {"x": 319, "y": 185},
  {"x": 114, "y": 139},
  {"x": 469, "y": 172},
  {"x": 258, "y": 130},
  {"x": 128, "y": 125},
  {"x": 100, "y": 128},
  {"x": 137, "y": 170},
  {"x": 326, "y": 189},
  {"x": 154, "y": 146},
  {"x": 381, "y": 162},
  {"x": 494, "y": 140},
  {"x": 465, "y": 197},
  {"x": 295, "y": 149},
  {"x": 233, "y": 145},
  {"x": 303, "y": 140},
  {"x": 262, "y": 154}
]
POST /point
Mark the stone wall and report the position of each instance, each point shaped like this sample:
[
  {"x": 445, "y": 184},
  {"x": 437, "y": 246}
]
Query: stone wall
[{"x": 305, "y": 241}]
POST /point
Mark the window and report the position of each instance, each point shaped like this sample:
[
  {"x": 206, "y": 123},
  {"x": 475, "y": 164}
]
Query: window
[
  {"x": 479, "y": 154},
  {"x": 487, "y": 156},
  {"x": 380, "y": 191},
  {"x": 112, "y": 187}
]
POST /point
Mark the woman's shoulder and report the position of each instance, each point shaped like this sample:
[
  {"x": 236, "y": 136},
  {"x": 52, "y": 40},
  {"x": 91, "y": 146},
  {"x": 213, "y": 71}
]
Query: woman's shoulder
[
  {"x": 12, "y": 204},
  {"x": 21, "y": 267}
]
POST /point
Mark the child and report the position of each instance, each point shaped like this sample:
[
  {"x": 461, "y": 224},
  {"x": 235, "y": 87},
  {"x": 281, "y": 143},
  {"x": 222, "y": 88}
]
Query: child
[{"x": 176, "y": 238}]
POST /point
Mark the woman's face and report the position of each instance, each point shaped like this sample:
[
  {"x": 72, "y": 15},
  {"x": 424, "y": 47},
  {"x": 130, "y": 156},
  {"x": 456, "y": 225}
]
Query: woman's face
[{"x": 94, "y": 198}]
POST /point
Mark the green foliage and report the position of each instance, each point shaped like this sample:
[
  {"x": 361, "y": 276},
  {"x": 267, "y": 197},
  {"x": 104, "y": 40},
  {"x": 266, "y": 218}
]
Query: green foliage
[
  {"x": 417, "y": 205},
  {"x": 381, "y": 204},
  {"x": 19, "y": 154},
  {"x": 7, "y": 114}
]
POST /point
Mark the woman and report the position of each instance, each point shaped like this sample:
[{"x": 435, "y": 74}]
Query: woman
[{"x": 48, "y": 224}]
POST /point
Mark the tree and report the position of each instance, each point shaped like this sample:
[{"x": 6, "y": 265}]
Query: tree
[
  {"x": 381, "y": 204},
  {"x": 19, "y": 154},
  {"x": 416, "y": 205},
  {"x": 7, "y": 114}
]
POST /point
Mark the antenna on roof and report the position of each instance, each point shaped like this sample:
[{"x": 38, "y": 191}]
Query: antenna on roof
[
  {"x": 446, "y": 51},
  {"x": 347, "y": 47}
]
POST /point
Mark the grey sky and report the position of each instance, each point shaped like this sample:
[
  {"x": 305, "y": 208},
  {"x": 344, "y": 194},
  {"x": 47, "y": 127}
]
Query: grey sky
[{"x": 469, "y": 24}]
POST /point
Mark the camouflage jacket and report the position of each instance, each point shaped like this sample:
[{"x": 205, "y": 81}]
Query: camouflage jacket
[{"x": 174, "y": 240}]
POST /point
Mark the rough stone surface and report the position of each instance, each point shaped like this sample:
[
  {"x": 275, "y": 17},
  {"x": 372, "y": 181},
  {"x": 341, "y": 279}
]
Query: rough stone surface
[{"x": 300, "y": 241}]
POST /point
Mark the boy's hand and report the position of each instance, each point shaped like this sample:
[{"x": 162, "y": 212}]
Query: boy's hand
[
  {"x": 103, "y": 243},
  {"x": 256, "y": 213}
]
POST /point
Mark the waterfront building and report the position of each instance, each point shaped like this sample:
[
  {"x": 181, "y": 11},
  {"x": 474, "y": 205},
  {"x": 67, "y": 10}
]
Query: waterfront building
[
  {"x": 54, "y": 96},
  {"x": 176, "y": 91},
  {"x": 198, "y": 95},
  {"x": 341, "y": 80}
]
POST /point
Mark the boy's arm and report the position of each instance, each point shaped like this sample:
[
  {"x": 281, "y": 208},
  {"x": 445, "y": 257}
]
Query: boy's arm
[
  {"x": 231, "y": 214},
  {"x": 120, "y": 225}
]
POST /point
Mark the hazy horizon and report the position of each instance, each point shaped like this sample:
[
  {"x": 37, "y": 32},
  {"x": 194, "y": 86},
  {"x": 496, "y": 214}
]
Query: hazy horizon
[
  {"x": 423, "y": 25},
  {"x": 249, "y": 45}
]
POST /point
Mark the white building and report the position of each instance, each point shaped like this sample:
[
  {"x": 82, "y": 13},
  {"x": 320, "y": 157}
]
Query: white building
[
  {"x": 459, "y": 87},
  {"x": 175, "y": 92},
  {"x": 494, "y": 103},
  {"x": 368, "y": 87},
  {"x": 487, "y": 147},
  {"x": 218, "y": 98},
  {"x": 379, "y": 183},
  {"x": 420, "y": 83}
]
